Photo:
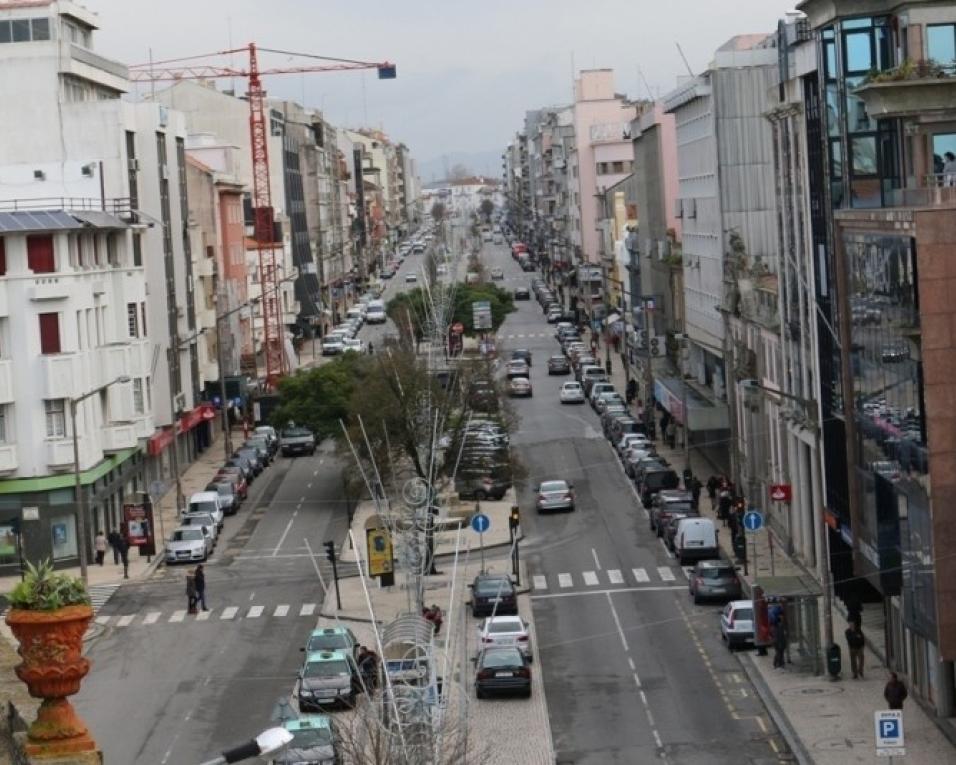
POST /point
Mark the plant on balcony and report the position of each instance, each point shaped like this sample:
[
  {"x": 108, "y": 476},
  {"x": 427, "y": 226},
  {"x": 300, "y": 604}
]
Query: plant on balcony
[
  {"x": 49, "y": 614},
  {"x": 909, "y": 69}
]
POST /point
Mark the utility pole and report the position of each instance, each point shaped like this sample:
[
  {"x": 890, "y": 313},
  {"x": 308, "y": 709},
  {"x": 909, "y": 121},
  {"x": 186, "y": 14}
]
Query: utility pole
[
  {"x": 174, "y": 380},
  {"x": 220, "y": 360}
]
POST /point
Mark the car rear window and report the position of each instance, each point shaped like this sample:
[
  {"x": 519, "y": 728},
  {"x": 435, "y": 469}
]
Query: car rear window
[
  {"x": 328, "y": 642},
  {"x": 553, "y": 486},
  {"x": 715, "y": 573},
  {"x": 503, "y": 627},
  {"x": 492, "y": 586},
  {"x": 744, "y": 615},
  {"x": 502, "y": 659}
]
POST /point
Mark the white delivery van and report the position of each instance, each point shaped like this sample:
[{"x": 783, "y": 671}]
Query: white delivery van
[
  {"x": 207, "y": 502},
  {"x": 696, "y": 539},
  {"x": 375, "y": 312}
]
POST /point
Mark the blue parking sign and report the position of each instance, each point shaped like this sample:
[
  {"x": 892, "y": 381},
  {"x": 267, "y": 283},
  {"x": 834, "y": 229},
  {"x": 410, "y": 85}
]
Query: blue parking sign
[{"x": 889, "y": 729}]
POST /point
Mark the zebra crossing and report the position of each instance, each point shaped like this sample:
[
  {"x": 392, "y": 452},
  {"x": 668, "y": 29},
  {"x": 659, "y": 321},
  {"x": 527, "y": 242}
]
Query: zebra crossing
[
  {"x": 100, "y": 594},
  {"x": 228, "y": 613},
  {"x": 613, "y": 577},
  {"x": 526, "y": 336}
]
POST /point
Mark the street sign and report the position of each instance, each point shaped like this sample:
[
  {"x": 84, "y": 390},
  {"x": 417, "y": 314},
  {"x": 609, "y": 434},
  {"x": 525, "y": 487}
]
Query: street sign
[
  {"x": 781, "y": 492},
  {"x": 753, "y": 520},
  {"x": 480, "y": 522},
  {"x": 889, "y": 732}
]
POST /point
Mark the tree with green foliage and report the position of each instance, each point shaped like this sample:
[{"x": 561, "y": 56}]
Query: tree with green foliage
[
  {"x": 486, "y": 208},
  {"x": 319, "y": 398},
  {"x": 409, "y": 311},
  {"x": 438, "y": 212},
  {"x": 502, "y": 303}
]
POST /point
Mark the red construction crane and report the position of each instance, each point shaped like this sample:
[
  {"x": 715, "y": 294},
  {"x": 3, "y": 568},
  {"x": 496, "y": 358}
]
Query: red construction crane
[{"x": 175, "y": 69}]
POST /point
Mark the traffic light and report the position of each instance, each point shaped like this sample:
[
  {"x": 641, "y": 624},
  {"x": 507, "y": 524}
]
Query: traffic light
[
  {"x": 330, "y": 551},
  {"x": 515, "y": 518}
]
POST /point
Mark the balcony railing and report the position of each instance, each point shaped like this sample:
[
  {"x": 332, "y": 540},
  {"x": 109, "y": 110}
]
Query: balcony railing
[
  {"x": 938, "y": 191},
  {"x": 119, "y": 206}
]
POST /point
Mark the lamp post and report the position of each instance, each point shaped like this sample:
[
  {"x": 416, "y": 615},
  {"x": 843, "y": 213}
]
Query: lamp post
[{"x": 77, "y": 483}]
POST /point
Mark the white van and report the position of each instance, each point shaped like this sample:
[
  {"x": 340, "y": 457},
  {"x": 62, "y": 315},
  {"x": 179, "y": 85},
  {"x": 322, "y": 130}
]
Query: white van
[
  {"x": 696, "y": 539},
  {"x": 207, "y": 502},
  {"x": 375, "y": 312}
]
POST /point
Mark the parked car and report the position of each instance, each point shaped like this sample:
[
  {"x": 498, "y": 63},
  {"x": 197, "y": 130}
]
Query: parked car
[
  {"x": 631, "y": 439},
  {"x": 522, "y": 293},
  {"x": 332, "y": 346},
  {"x": 713, "y": 580},
  {"x": 654, "y": 480},
  {"x": 238, "y": 478},
  {"x": 332, "y": 639},
  {"x": 497, "y": 274},
  {"x": 571, "y": 393},
  {"x": 493, "y": 594},
  {"x": 328, "y": 679},
  {"x": 521, "y": 354},
  {"x": 313, "y": 740},
  {"x": 481, "y": 483},
  {"x": 188, "y": 544},
  {"x": 272, "y": 438},
  {"x": 737, "y": 623},
  {"x": 554, "y": 495},
  {"x": 558, "y": 365},
  {"x": 251, "y": 456},
  {"x": 602, "y": 401},
  {"x": 591, "y": 376},
  {"x": 696, "y": 539},
  {"x": 669, "y": 530},
  {"x": 665, "y": 503},
  {"x": 201, "y": 520},
  {"x": 502, "y": 670},
  {"x": 244, "y": 466},
  {"x": 600, "y": 388},
  {"x": 505, "y": 631},
  {"x": 411, "y": 278},
  {"x": 228, "y": 499},
  {"x": 517, "y": 368},
  {"x": 207, "y": 502}
]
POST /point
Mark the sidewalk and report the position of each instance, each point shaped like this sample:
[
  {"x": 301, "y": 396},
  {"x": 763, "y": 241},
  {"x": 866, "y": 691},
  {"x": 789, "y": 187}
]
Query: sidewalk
[{"x": 824, "y": 722}]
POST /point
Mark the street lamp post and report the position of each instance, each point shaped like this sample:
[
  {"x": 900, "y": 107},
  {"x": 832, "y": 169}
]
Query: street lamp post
[{"x": 81, "y": 531}]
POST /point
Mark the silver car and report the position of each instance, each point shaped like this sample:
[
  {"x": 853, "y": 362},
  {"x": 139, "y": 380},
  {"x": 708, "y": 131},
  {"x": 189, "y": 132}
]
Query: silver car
[
  {"x": 188, "y": 544},
  {"x": 499, "y": 631},
  {"x": 202, "y": 520},
  {"x": 555, "y": 495}
]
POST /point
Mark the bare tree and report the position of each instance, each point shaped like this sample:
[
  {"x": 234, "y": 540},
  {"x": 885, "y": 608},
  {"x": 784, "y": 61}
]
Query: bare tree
[{"x": 459, "y": 172}]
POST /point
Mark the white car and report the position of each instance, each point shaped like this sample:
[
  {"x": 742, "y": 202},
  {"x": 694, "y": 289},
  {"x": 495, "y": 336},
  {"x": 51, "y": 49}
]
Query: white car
[
  {"x": 332, "y": 345},
  {"x": 629, "y": 439},
  {"x": 496, "y": 631},
  {"x": 572, "y": 393},
  {"x": 188, "y": 544},
  {"x": 411, "y": 278},
  {"x": 737, "y": 623},
  {"x": 441, "y": 270},
  {"x": 353, "y": 344}
]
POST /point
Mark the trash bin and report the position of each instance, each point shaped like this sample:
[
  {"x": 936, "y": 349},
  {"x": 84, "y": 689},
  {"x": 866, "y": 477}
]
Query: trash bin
[
  {"x": 834, "y": 660},
  {"x": 740, "y": 547}
]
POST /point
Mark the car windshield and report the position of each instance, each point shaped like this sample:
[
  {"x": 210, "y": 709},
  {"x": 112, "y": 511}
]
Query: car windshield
[
  {"x": 572, "y": 386},
  {"x": 202, "y": 507},
  {"x": 199, "y": 519},
  {"x": 309, "y": 738},
  {"x": 492, "y": 586},
  {"x": 553, "y": 486},
  {"x": 714, "y": 573},
  {"x": 294, "y": 432},
  {"x": 327, "y": 642},
  {"x": 334, "y": 668},
  {"x": 187, "y": 535},
  {"x": 501, "y": 659},
  {"x": 501, "y": 627}
]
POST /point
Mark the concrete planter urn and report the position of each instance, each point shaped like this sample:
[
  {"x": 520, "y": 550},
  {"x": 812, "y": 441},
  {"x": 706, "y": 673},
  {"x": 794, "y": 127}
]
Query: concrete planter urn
[{"x": 51, "y": 646}]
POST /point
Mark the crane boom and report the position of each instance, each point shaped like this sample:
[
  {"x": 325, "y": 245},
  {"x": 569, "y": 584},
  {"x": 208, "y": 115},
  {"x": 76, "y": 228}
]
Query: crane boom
[{"x": 191, "y": 68}]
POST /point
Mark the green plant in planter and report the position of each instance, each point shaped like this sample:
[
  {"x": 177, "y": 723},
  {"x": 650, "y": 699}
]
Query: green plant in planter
[{"x": 44, "y": 589}]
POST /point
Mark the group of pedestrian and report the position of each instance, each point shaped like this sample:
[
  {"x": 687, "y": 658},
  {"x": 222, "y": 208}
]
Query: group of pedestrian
[
  {"x": 118, "y": 543},
  {"x": 196, "y": 589}
]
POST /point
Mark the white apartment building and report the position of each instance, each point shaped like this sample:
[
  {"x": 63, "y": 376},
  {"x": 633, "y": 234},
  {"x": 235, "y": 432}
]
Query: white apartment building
[{"x": 94, "y": 267}]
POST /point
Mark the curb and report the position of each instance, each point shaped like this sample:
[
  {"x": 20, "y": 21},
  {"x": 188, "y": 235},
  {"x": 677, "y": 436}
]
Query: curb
[{"x": 775, "y": 711}]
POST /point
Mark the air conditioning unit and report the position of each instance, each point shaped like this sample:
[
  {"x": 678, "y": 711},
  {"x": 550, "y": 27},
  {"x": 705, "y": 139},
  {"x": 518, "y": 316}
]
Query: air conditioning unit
[
  {"x": 179, "y": 403},
  {"x": 132, "y": 164},
  {"x": 658, "y": 346}
]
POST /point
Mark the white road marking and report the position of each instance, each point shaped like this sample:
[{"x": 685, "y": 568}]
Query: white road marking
[
  {"x": 152, "y": 617},
  {"x": 125, "y": 621},
  {"x": 597, "y": 563},
  {"x": 549, "y": 595},
  {"x": 667, "y": 551},
  {"x": 614, "y": 575},
  {"x": 307, "y": 609},
  {"x": 285, "y": 533},
  {"x": 281, "y": 610},
  {"x": 640, "y": 575},
  {"x": 315, "y": 472},
  {"x": 590, "y": 578},
  {"x": 255, "y": 612},
  {"x": 315, "y": 563},
  {"x": 540, "y": 582},
  {"x": 203, "y": 616},
  {"x": 688, "y": 571},
  {"x": 564, "y": 580},
  {"x": 178, "y": 616},
  {"x": 630, "y": 663},
  {"x": 229, "y": 613},
  {"x": 308, "y": 486},
  {"x": 103, "y": 619},
  {"x": 620, "y": 630},
  {"x": 665, "y": 573}
]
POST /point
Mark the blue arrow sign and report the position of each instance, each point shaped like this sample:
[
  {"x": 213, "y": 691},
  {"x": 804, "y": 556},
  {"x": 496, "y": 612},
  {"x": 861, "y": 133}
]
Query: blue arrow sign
[
  {"x": 753, "y": 521},
  {"x": 480, "y": 523}
]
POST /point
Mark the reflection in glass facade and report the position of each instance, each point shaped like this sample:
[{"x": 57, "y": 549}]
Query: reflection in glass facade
[{"x": 892, "y": 456}]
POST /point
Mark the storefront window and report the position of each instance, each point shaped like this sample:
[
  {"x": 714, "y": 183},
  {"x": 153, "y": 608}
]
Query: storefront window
[{"x": 63, "y": 536}]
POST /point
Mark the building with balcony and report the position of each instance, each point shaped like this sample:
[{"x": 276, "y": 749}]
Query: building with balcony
[{"x": 881, "y": 105}]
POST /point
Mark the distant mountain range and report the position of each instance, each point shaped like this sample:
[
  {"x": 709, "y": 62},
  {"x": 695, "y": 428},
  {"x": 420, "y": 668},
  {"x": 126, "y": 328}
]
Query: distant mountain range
[{"x": 486, "y": 163}]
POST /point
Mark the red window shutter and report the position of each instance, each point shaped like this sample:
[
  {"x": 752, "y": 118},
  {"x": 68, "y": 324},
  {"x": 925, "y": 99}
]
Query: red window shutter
[
  {"x": 49, "y": 332},
  {"x": 40, "y": 254},
  {"x": 3, "y": 258}
]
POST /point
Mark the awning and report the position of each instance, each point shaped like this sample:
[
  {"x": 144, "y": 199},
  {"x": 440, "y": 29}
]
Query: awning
[
  {"x": 24, "y": 221},
  {"x": 99, "y": 219},
  {"x": 703, "y": 413},
  {"x": 187, "y": 421}
]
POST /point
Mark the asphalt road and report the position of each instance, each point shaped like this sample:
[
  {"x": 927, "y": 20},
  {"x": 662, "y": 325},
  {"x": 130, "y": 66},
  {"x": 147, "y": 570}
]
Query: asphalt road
[
  {"x": 172, "y": 688},
  {"x": 633, "y": 671}
]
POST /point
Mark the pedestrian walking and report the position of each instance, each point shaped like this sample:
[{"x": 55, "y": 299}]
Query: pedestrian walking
[
  {"x": 200, "y": 582},
  {"x": 371, "y": 350},
  {"x": 895, "y": 692},
  {"x": 855, "y": 642},
  {"x": 191, "y": 592},
  {"x": 114, "y": 539},
  {"x": 99, "y": 544},
  {"x": 712, "y": 491},
  {"x": 724, "y": 502},
  {"x": 124, "y": 555},
  {"x": 695, "y": 487},
  {"x": 631, "y": 391}
]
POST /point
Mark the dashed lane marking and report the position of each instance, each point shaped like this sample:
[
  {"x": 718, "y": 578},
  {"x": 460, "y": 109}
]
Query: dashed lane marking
[
  {"x": 178, "y": 616},
  {"x": 641, "y": 574},
  {"x": 564, "y": 580},
  {"x": 255, "y": 612},
  {"x": 125, "y": 621},
  {"x": 281, "y": 610},
  {"x": 307, "y": 609},
  {"x": 229, "y": 613},
  {"x": 540, "y": 582},
  {"x": 590, "y": 578},
  {"x": 615, "y": 576},
  {"x": 665, "y": 574}
]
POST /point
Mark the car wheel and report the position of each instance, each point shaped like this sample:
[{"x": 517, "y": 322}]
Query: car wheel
[
  {"x": 696, "y": 600},
  {"x": 479, "y": 694}
]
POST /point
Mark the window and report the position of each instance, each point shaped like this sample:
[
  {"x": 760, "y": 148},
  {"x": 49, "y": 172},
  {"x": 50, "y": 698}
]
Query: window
[
  {"x": 40, "y": 29},
  {"x": 941, "y": 43},
  {"x": 139, "y": 401},
  {"x": 132, "y": 319},
  {"x": 859, "y": 52},
  {"x": 55, "y": 417},
  {"x": 142, "y": 310},
  {"x": 40, "y": 254},
  {"x": 618, "y": 167},
  {"x": 3, "y": 423},
  {"x": 49, "y": 332},
  {"x": 137, "y": 250},
  {"x": 63, "y": 536},
  {"x": 24, "y": 30},
  {"x": 3, "y": 258},
  {"x": 112, "y": 255},
  {"x": 21, "y": 30}
]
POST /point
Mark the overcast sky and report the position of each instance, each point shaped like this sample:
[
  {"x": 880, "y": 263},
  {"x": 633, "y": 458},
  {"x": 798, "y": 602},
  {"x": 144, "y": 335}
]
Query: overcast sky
[{"x": 467, "y": 71}]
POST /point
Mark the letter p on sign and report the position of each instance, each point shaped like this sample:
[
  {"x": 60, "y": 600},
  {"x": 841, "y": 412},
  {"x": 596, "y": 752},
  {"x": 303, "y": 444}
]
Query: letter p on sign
[{"x": 889, "y": 729}]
